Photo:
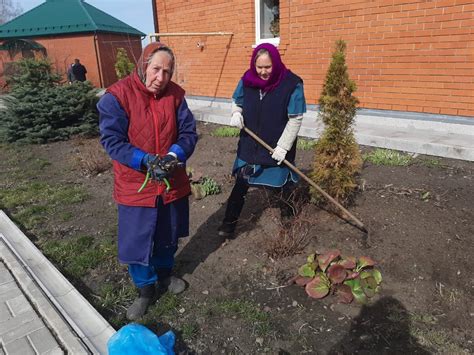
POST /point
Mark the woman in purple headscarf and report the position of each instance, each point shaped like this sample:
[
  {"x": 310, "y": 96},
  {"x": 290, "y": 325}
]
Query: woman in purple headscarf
[{"x": 269, "y": 100}]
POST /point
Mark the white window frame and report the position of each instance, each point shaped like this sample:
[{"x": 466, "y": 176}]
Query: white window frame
[{"x": 275, "y": 41}]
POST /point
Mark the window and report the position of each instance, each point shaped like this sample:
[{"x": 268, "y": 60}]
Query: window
[{"x": 267, "y": 21}]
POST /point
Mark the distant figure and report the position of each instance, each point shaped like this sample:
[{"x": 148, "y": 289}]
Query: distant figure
[
  {"x": 79, "y": 71},
  {"x": 70, "y": 74}
]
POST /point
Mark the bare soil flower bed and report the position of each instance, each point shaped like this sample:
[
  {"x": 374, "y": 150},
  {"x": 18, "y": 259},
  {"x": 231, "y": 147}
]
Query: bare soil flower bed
[{"x": 420, "y": 220}]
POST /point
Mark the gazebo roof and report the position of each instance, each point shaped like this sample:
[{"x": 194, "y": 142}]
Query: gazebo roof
[
  {"x": 55, "y": 17},
  {"x": 15, "y": 45}
]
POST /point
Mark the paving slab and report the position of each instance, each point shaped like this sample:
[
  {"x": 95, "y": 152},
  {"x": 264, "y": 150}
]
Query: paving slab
[{"x": 41, "y": 312}]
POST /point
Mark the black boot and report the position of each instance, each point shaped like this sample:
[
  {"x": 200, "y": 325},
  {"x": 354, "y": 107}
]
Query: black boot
[
  {"x": 235, "y": 203},
  {"x": 139, "y": 307},
  {"x": 227, "y": 230}
]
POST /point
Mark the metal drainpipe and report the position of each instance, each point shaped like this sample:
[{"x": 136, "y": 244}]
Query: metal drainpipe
[
  {"x": 155, "y": 16},
  {"x": 97, "y": 57}
]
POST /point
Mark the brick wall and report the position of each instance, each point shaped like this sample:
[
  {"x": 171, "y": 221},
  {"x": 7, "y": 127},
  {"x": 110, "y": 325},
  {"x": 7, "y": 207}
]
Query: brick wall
[
  {"x": 108, "y": 45},
  {"x": 404, "y": 55},
  {"x": 62, "y": 50}
]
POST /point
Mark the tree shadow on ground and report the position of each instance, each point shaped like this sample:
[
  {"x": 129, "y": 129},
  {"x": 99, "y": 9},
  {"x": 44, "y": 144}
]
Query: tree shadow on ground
[{"x": 381, "y": 328}]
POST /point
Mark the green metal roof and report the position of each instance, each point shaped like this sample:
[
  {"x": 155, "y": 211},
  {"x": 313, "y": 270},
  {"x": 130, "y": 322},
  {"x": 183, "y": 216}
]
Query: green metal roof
[{"x": 62, "y": 17}]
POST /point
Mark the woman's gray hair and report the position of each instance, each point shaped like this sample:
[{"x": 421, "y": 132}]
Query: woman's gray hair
[
  {"x": 166, "y": 50},
  {"x": 261, "y": 52}
]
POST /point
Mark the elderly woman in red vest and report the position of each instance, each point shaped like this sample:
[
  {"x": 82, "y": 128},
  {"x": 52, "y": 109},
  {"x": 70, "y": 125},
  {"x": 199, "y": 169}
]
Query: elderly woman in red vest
[
  {"x": 147, "y": 128},
  {"x": 269, "y": 100}
]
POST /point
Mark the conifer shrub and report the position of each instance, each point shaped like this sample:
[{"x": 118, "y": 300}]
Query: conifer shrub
[
  {"x": 123, "y": 65},
  {"x": 39, "y": 109},
  {"x": 337, "y": 161}
]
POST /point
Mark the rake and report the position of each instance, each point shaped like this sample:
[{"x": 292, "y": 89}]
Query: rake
[{"x": 357, "y": 222}]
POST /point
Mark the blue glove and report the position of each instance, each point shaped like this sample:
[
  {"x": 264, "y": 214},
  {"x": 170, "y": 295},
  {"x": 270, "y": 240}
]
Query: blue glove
[{"x": 152, "y": 165}]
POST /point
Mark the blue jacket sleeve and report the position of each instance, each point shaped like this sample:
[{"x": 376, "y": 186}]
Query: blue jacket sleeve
[
  {"x": 238, "y": 95},
  {"x": 297, "y": 104},
  {"x": 187, "y": 136},
  {"x": 113, "y": 126}
]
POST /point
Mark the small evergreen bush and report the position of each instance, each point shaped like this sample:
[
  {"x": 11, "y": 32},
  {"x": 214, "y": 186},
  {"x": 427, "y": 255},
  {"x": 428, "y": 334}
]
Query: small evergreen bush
[
  {"x": 30, "y": 73},
  {"x": 337, "y": 158},
  {"x": 39, "y": 110},
  {"x": 123, "y": 65}
]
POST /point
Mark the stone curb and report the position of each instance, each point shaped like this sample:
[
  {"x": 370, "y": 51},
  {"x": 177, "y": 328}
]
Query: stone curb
[{"x": 87, "y": 323}]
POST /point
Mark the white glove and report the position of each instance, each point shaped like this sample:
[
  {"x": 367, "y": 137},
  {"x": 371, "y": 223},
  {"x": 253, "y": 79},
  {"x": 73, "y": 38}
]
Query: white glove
[
  {"x": 279, "y": 154},
  {"x": 237, "y": 120}
]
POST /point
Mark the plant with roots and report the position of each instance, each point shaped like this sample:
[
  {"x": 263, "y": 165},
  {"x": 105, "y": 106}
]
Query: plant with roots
[
  {"x": 202, "y": 186},
  {"x": 347, "y": 277}
]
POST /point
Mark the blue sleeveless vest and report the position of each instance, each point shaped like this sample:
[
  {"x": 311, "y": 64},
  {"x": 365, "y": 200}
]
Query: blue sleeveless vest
[{"x": 267, "y": 118}]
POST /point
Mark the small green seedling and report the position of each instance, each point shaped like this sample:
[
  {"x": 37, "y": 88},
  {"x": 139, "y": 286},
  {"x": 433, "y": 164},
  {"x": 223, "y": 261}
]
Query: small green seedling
[{"x": 205, "y": 186}]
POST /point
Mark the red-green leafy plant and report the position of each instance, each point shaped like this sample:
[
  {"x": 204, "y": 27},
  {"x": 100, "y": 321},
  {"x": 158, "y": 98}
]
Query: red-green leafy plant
[{"x": 346, "y": 277}]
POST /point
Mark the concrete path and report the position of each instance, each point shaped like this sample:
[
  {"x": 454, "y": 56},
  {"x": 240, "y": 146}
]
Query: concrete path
[
  {"x": 40, "y": 311},
  {"x": 437, "y": 135}
]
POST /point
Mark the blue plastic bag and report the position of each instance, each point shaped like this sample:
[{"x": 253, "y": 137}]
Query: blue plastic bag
[{"x": 136, "y": 339}]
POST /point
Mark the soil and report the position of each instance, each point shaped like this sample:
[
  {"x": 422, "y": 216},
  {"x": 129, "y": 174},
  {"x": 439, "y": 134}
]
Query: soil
[{"x": 420, "y": 222}]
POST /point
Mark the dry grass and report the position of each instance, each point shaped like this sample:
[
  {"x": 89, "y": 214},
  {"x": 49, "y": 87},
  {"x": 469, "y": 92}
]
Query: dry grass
[
  {"x": 292, "y": 239},
  {"x": 91, "y": 158},
  {"x": 293, "y": 232}
]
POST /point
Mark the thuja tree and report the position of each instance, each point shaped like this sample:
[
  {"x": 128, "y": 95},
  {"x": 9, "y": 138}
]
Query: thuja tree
[
  {"x": 39, "y": 109},
  {"x": 123, "y": 65},
  {"x": 337, "y": 161}
]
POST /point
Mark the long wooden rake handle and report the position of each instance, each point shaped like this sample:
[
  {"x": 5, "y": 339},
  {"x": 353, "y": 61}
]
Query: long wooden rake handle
[{"x": 358, "y": 223}]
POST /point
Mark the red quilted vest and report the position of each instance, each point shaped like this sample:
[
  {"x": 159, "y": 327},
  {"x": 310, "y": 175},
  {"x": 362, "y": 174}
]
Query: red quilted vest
[{"x": 153, "y": 129}]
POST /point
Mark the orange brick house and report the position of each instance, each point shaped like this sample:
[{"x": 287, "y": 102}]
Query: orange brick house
[
  {"x": 405, "y": 55},
  {"x": 67, "y": 29}
]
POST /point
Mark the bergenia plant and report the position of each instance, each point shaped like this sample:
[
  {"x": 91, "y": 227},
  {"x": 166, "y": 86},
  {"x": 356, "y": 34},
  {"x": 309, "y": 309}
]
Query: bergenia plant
[{"x": 344, "y": 276}]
